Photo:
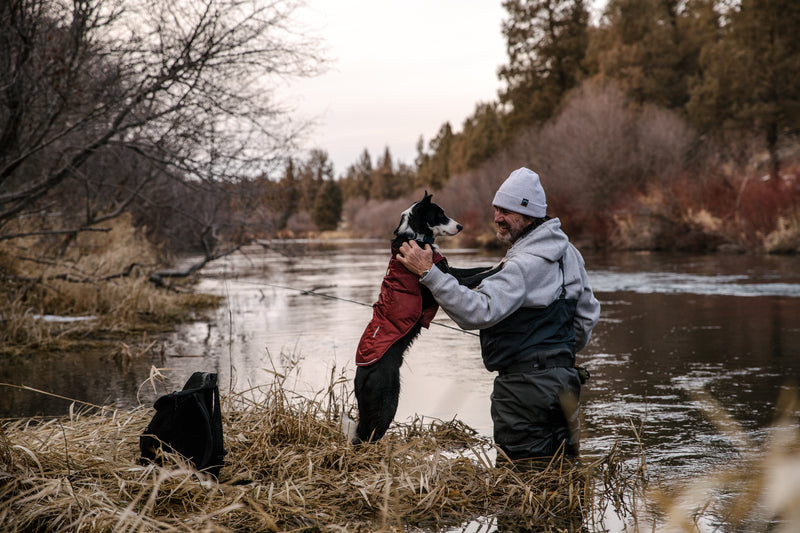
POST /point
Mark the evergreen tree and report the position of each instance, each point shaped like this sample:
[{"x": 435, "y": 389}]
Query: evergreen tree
[
  {"x": 482, "y": 136},
  {"x": 288, "y": 195},
  {"x": 652, "y": 47},
  {"x": 385, "y": 183},
  {"x": 327, "y": 212},
  {"x": 313, "y": 172},
  {"x": 751, "y": 76},
  {"x": 434, "y": 170},
  {"x": 546, "y": 42},
  {"x": 358, "y": 179}
]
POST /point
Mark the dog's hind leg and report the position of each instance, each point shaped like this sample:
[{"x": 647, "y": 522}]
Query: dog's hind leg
[{"x": 377, "y": 389}]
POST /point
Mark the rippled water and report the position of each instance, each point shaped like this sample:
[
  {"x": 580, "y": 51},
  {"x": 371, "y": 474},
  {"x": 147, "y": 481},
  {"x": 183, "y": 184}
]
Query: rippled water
[{"x": 671, "y": 325}]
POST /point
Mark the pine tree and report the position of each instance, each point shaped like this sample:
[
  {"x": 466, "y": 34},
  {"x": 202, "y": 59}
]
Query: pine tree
[
  {"x": 314, "y": 170},
  {"x": 434, "y": 172},
  {"x": 546, "y": 42},
  {"x": 358, "y": 179},
  {"x": 651, "y": 48},
  {"x": 327, "y": 212},
  {"x": 482, "y": 136},
  {"x": 288, "y": 196},
  {"x": 751, "y": 76},
  {"x": 387, "y": 182}
]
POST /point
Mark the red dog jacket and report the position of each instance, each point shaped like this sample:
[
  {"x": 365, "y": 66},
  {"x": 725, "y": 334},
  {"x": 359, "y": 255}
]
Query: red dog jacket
[{"x": 398, "y": 308}]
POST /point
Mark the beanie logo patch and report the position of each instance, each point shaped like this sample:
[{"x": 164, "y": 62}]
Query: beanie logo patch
[{"x": 524, "y": 202}]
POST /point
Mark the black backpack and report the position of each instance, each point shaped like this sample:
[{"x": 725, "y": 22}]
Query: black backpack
[{"x": 188, "y": 422}]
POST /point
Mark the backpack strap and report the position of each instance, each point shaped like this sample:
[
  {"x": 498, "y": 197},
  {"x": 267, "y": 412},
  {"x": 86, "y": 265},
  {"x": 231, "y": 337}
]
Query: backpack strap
[
  {"x": 214, "y": 453},
  {"x": 218, "y": 452}
]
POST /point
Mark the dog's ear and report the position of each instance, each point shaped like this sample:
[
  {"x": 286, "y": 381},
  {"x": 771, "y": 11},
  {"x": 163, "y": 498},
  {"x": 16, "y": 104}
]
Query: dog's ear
[{"x": 427, "y": 197}]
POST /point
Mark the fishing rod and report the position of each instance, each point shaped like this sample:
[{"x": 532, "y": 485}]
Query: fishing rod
[{"x": 312, "y": 292}]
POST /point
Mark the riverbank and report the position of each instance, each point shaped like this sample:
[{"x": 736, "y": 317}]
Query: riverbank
[{"x": 97, "y": 297}]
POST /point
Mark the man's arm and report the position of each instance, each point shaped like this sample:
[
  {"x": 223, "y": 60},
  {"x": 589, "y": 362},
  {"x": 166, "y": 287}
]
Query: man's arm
[{"x": 418, "y": 260}]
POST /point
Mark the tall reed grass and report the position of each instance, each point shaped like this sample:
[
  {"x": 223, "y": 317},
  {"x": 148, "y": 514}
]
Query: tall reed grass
[{"x": 288, "y": 468}]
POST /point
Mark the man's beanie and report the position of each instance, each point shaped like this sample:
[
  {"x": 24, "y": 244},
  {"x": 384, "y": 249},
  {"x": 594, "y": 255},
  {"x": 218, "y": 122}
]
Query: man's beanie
[{"x": 522, "y": 193}]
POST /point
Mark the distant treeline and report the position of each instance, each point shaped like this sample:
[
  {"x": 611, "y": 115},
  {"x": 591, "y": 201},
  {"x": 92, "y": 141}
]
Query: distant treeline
[
  {"x": 686, "y": 101},
  {"x": 652, "y": 125}
]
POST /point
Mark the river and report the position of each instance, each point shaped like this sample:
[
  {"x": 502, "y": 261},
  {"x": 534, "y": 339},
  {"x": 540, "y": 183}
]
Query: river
[{"x": 671, "y": 325}]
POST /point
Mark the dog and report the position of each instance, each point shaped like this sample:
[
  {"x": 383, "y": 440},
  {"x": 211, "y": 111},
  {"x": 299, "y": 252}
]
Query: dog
[{"x": 403, "y": 308}]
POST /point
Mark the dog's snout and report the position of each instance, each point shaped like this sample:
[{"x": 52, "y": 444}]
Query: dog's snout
[{"x": 459, "y": 227}]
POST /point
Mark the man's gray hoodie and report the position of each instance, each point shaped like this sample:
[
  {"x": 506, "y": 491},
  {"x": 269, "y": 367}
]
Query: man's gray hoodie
[{"x": 530, "y": 277}]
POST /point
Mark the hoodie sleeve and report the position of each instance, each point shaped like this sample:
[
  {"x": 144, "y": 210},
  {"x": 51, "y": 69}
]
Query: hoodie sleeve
[
  {"x": 525, "y": 280},
  {"x": 493, "y": 300}
]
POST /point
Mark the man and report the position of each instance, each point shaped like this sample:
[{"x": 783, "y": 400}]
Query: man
[{"x": 533, "y": 314}]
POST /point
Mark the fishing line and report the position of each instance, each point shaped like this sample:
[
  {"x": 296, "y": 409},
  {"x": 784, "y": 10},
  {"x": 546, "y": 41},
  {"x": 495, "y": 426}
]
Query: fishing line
[{"x": 312, "y": 292}]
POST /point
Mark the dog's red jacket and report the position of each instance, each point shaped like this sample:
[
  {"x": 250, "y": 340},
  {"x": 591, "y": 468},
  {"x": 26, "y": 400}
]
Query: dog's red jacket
[{"x": 398, "y": 308}]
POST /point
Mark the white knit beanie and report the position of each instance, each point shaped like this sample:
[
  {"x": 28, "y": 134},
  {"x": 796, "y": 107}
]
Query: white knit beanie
[{"x": 522, "y": 193}]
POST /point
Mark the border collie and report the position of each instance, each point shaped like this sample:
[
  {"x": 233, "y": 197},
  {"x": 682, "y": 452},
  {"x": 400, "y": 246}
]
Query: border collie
[{"x": 403, "y": 308}]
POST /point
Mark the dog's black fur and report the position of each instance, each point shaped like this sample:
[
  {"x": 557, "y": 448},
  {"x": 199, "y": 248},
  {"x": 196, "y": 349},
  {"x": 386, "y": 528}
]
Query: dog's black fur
[{"x": 377, "y": 386}]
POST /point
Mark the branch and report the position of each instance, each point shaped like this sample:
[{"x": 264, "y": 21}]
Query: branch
[
  {"x": 50, "y": 232},
  {"x": 159, "y": 277}
]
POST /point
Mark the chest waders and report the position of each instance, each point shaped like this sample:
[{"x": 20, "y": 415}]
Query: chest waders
[{"x": 535, "y": 401}]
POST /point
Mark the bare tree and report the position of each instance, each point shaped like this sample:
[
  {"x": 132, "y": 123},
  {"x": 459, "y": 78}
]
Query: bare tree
[{"x": 100, "y": 99}]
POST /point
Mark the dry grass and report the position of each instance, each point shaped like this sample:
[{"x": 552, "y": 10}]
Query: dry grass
[
  {"x": 86, "y": 281},
  {"x": 288, "y": 468},
  {"x": 786, "y": 238}
]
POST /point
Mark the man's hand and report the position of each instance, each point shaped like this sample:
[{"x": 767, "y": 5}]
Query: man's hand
[{"x": 414, "y": 258}]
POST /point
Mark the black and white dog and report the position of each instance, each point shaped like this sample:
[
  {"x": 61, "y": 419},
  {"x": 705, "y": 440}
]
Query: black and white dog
[{"x": 403, "y": 308}]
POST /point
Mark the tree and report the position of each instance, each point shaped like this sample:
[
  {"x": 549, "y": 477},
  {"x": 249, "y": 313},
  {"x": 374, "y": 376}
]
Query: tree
[
  {"x": 546, "y": 42},
  {"x": 312, "y": 174},
  {"x": 288, "y": 197},
  {"x": 358, "y": 178},
  {"x": 386, "y": 183},
  {"x": 651, "y": 48},
  {"x": 482, "y": 136},
  {"x": 100, "y": 99},
  {"x": 433, "y": 170},
  {"x": 327, "y": 211},
  {"x": 750, "y": 76}
]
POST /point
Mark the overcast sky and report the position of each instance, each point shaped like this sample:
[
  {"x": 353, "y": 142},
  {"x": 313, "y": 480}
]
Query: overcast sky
[{"x": 400, "y": 70}]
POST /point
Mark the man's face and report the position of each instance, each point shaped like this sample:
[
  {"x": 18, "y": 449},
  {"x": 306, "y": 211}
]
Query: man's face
[{"x": 510, "y": 224}]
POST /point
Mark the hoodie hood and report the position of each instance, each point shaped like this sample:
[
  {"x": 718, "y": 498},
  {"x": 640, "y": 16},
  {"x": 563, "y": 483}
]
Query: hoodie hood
[{"x": 547, "y": 241}]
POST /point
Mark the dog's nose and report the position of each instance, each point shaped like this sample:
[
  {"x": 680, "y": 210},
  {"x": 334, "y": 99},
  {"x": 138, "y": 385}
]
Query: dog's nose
[{"x": 459, "y": 227}]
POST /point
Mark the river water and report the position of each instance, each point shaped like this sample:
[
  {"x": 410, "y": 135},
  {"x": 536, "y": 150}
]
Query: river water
[{"x": 671, "y": 326}]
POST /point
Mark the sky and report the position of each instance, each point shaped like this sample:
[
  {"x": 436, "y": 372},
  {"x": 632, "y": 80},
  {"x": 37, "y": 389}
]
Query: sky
[{"x": 399, "y": 69}]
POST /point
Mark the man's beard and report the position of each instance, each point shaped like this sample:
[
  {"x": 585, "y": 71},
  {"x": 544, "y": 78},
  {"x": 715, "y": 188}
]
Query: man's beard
[
  {"x": 509, "y": 235},
  {"x": 506, "y": 234}
]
